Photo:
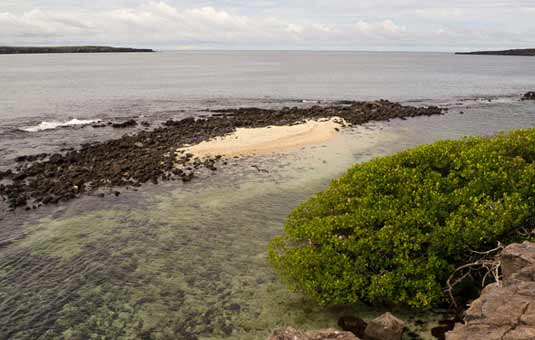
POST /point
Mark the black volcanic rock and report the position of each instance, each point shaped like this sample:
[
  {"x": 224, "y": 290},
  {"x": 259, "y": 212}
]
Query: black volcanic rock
[
  {"x": 528, "y": 52},
  {"x": 151, "y": 156},
  {"x": 123, "y": 125},
  {"x": 529, "y": 96},
  {"x": 69, "y": 49}
]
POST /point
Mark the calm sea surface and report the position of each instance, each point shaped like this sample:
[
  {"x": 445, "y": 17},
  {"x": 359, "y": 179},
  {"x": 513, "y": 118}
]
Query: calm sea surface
[
  {"x": 95, "y": 85},
  {"x": 178, "y": 261}
]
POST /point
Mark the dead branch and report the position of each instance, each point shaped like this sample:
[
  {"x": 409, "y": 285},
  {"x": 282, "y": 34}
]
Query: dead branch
[{"x": 487, "y": 265}]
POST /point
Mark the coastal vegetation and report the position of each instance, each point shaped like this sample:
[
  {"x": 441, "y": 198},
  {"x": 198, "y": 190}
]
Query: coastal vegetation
[
  {"x": 393, "y": 230},
  {"x": 68, "y": 49}
]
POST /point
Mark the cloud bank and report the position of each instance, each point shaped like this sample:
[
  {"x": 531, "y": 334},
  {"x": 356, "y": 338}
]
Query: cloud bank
[{"x": 381, "y": 24}]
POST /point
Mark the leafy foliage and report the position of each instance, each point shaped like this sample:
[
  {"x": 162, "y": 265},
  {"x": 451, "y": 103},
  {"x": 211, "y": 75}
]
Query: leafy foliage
[{"x": 392, "y": 230}]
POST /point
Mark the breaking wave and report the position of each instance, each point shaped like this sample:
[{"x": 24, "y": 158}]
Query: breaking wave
[{"x": 55, "y": 124}]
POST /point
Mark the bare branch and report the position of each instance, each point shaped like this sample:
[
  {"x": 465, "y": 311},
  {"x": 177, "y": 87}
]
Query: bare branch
[{"x": 488, "y": 264}]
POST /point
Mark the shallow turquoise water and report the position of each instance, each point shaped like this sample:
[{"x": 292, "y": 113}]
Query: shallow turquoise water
[{"x": 189, "y": 261}]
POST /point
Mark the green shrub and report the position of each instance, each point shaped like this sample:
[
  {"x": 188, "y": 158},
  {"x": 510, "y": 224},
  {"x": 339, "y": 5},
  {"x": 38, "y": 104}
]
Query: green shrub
[{"x": 392, "y": 230}]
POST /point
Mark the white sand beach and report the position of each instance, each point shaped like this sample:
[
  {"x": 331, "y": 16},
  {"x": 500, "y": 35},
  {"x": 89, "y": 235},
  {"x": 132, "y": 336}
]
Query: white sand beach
[{"x": 267, "y": 140}]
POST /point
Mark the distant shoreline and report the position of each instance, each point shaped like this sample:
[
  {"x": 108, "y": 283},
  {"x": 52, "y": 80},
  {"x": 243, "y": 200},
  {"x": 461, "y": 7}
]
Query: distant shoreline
[
  {"x": 70, "y": 49},
  {"x": 527, "y": 52}
]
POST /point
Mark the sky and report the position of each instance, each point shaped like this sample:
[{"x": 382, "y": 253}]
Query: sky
[{"x": 378, "y": 25}]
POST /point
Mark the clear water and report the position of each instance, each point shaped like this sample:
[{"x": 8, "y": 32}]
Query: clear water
[{"x": 178, "y": 261}]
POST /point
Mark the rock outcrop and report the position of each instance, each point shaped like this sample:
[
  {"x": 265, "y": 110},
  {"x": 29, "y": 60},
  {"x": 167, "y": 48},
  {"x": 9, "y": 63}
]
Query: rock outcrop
[
  {"x": 326, "y": 334},
  {"x": 505, "y": 312},
  {"x": 385, "y": 327}
]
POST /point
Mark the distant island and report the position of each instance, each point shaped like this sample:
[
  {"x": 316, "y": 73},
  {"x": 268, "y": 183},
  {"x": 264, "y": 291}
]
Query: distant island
[
  {"x": 69, "y": 49},
  {"x": 527, "y": 52}
]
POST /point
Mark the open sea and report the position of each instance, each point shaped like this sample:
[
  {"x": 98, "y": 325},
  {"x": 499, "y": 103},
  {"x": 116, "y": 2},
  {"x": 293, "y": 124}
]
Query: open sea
[{"x": 188, "y": 261}]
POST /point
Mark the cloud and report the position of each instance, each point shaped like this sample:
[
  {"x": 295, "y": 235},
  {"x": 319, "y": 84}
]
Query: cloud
[
  {"x": 386, "y": 28},
  {"x": 379, "y": 24},
  {"x": 162, "y": 24}
]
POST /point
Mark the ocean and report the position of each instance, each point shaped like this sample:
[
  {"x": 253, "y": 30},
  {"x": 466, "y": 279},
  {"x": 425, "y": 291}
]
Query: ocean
[
  {"x": 188, "y": 261},
  {"x": 46, "y": 91}
]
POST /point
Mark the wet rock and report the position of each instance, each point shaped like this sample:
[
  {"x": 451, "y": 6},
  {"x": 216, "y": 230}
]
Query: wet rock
[
  {"x": 353, "y": 324},
  {"x": 529, "y": 96},
  {"x": 6, "y": 174},
  {"x": 439, "y": 332},
  {"x": 149, "y": 156},
  {"x": 413, "y": 336},
  {"x": 123, "y": 125},
  {"x": 385, "y": 327},
  {"x": 20, "y": 201},
  {"x": 31, "y": 158},
  {"x": 236, "y": 308},
  {"x": 327, "y": 334},
  {"x": 187, "y": 177},
  {"x": 259, "y": 169},
  {"x": 227, "y": 329}
]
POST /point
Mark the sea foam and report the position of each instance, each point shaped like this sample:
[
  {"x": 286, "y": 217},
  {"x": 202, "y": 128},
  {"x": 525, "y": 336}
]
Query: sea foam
[{"x": 56, "y": 124}]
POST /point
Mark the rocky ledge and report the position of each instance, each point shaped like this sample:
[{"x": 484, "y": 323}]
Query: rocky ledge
[
  {"x": 505, "y": 311},
  {"x": 151, "y": 156}
]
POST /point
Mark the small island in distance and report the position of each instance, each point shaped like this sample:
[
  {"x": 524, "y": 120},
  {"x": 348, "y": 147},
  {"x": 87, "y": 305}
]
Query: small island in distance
[
  {"x": 69, "y": 49},
  {"x": 526, "y": 52}
]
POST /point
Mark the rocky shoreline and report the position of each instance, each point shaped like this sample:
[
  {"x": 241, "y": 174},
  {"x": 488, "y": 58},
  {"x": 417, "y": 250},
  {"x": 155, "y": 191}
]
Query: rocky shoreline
[{"x": 151, "y": 156}]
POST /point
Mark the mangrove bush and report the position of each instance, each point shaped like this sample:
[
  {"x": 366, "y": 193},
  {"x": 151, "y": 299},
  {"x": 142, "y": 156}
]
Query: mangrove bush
[{"x": 393, "y": 229}]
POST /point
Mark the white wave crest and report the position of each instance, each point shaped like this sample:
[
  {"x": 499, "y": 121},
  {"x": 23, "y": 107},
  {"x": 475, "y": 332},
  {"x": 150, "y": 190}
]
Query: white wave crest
[{"x": 55, "y": 124}]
